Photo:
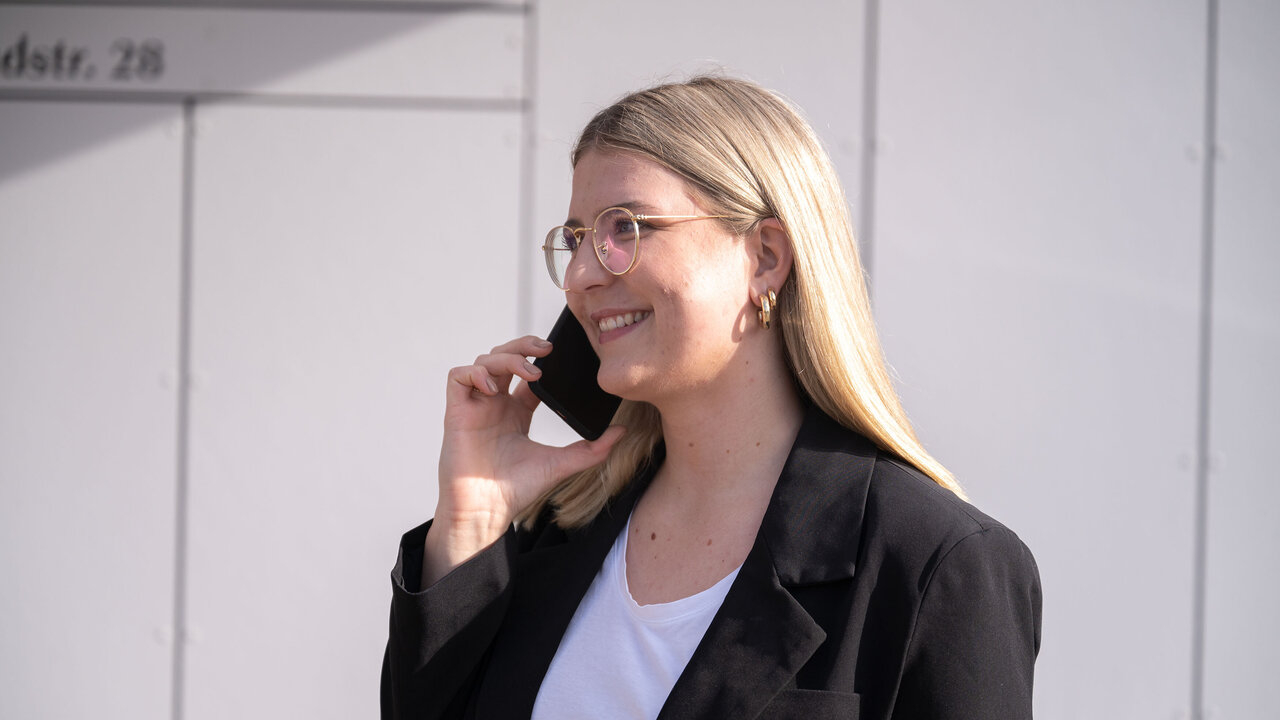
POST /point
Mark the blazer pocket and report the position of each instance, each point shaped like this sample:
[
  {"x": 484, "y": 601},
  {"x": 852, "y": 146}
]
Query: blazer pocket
[{"x": 812, "y": 705}]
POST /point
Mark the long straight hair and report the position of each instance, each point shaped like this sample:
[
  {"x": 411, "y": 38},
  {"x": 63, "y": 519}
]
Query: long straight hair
[{"x": 749, "y": 155}]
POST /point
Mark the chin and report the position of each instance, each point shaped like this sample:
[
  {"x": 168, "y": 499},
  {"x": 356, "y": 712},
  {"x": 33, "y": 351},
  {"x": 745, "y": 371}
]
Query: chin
[
  {"x": 625, "y": 383},
  {"x": 615, "y": 386}
]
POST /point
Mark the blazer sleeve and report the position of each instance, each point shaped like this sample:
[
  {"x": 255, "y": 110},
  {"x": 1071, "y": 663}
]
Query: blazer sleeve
[
  {"x": 440, "y": 636},
  {"x": 977, "y": 633}
]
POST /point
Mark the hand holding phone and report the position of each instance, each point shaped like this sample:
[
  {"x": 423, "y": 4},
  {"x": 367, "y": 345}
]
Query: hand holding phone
[
  {"x": 490, "y": 470},
  {"x": 568, "y": 382}
]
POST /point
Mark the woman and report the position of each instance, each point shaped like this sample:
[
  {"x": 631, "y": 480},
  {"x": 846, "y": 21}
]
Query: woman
[{"x": 759, "y": 534}]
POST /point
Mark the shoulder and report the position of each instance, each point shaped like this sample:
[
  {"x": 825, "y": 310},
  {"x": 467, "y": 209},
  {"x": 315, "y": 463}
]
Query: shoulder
[
  {"x": 904, "y": 499},
  {"x": 915, "y": 524},
  {"x": 843, "y": 507}
]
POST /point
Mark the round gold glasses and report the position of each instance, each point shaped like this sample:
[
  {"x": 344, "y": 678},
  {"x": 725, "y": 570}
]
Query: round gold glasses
[{"x": 615, "y": 235}]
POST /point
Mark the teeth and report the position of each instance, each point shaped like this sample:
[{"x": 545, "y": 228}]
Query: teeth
[{"x": 619, "y": 321}]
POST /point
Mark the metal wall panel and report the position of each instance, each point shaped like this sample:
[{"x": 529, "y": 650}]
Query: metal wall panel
[
  {"x": 89, "y": 248},
  {"x": 345, "y": 259},
  {"x": 1037, "y": 285},
  {"x": 410, "y": 54},
  {"x": 1242, "y": 629}
]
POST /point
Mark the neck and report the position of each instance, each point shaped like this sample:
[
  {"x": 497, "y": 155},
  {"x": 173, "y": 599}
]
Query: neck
[{"x": 730, "y": 439}]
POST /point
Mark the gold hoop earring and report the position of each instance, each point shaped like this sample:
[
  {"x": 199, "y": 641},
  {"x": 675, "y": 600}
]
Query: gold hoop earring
[{"x": 768, "y": 302}]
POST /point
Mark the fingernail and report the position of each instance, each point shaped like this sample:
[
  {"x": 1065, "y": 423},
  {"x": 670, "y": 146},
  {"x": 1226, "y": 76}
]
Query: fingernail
[
  {"x": 492, "y": 386},
  {"x": 541, "y": 343},
  {"x": 532, "y": 368}
]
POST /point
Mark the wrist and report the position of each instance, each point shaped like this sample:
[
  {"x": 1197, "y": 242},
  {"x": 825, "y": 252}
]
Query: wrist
[
  {"x": 455, "y": 538},
  {"x": 470, "y": 529}
]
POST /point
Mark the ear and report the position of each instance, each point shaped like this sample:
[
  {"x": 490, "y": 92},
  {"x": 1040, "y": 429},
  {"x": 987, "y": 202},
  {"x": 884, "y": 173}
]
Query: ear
[{"x": 771, "y": 256}]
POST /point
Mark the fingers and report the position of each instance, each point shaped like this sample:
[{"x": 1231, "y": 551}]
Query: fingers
[
  {"x": 588, "y": 453},
  {"x": 509, "y": 359},
  {"x": 491, "y": 374},
  {"x": 466, "y": 379},
  {"x": 503, "y": 367},
  {"x": 527, "y": 346}
]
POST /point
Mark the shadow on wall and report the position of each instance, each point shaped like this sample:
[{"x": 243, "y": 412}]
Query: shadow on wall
[{"x": 384, "y": 55}]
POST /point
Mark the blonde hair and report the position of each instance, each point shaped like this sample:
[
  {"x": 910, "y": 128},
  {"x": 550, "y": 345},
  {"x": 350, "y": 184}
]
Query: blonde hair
[{"x": 750, "y": 156}]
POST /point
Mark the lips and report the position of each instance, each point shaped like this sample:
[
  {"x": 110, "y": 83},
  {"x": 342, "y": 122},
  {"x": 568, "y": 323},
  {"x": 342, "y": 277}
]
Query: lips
[{"x": 621, "y": 320}]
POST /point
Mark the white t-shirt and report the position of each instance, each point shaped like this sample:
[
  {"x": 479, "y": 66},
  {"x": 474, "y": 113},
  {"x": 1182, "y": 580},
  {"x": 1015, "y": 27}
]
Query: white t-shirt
[{"x": 619, "y": 659}]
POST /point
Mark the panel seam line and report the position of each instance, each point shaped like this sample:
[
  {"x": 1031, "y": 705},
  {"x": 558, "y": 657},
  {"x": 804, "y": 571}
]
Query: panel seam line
[
  {"x": 1204, "y": 381},
  {"x": 870, "y": 110},
  {"x": 181, "y": 500}
]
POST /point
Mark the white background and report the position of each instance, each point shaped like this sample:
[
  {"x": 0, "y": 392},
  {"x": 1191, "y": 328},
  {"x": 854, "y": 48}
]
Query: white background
[{"x": 229, "y": 295}]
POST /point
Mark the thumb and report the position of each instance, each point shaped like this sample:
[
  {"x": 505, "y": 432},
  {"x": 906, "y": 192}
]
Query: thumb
[{"x": 587, "y": 453}]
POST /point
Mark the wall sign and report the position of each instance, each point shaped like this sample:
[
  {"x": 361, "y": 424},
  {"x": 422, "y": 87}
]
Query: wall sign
[
  {"x": 403, "y": 54},
  {"x": 57, "y": 61}
]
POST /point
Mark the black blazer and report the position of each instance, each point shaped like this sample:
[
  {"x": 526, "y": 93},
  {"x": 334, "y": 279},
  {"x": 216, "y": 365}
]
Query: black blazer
[{"x": 870, "y": 592}]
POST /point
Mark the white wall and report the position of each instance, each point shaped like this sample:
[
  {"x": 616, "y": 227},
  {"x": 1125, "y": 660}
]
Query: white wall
[
  {"x": 89, "y": 329},
  {"x": 231, "y": 284},
  {"x": 1036, "y": 274}
]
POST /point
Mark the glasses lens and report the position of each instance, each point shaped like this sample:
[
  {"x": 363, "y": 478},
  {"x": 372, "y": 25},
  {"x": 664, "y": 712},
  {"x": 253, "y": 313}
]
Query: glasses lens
[
  {"x": 559, "y": 247},
  {"x": 615, "y": 237}
]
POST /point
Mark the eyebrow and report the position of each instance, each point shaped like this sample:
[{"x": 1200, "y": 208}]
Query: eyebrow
[{"x": 639, "y": 207}]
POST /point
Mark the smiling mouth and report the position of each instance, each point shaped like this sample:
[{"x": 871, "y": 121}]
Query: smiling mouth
[{"x": 614, "y": 322}]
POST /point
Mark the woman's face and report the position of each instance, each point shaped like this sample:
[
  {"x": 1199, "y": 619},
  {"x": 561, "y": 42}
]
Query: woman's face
[{"x": 675, "y": 321}]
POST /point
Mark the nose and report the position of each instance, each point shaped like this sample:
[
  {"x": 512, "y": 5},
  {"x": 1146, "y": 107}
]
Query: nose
[{"x": 585, "y": 271}]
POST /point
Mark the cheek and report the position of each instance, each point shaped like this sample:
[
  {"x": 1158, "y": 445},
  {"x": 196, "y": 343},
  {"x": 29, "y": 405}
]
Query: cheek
[
  {"x": 703, "y": 313},
  {"x": 702, "y": 291},
  {"x": 712, "y": 269}
]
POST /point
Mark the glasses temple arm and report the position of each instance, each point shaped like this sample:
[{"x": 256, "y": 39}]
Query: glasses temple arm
[{"x": 676, "y": 217}]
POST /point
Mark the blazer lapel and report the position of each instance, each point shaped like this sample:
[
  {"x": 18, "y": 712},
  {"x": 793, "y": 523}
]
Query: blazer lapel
[
  {"x": 757, "y": 642},
  {"x": 762, "y": 636}
]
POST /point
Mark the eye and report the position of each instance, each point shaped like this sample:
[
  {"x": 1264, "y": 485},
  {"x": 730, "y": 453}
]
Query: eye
[
  {"x": 567, "y": 240},
  {"x": 624, "y": 226}
]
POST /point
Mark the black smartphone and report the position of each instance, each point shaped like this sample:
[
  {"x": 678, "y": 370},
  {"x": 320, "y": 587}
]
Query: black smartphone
[{"x": 568, "y": 383}]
